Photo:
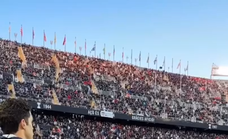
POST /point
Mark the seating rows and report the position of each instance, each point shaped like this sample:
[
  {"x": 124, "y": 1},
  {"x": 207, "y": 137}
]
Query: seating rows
[
  {"x": 107, "y": 85},
  {"x": 77, "y": 127}
]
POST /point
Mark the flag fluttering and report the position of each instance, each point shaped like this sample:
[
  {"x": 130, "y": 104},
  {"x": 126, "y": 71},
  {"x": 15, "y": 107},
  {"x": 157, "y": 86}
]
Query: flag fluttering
[
  {"x": 155, "y": 60},
  {"x": 21, "y": 31},
  {"x": 179, "y": 65},
  {"x": 45, "y": 38},
  {"x": 64, "y": 40}
]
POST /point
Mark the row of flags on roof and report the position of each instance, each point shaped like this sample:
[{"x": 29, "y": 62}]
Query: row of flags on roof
[{"x": 54, "y": 41}]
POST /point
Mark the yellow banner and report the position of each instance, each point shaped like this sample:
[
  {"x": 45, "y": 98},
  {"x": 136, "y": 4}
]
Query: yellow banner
[
  {"x": 57, "y": 70},
  {"x": 11, "y": 89},
  {"x": 21, "y": 54},
  {"x": 55, "y": 60},
  {"x": 19, "y": 76},
  {"x": 93, "y": 104}
]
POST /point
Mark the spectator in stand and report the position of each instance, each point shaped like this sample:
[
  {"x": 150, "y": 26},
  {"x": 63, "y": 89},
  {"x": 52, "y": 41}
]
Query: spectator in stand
[{"x": 77, "y": 127}]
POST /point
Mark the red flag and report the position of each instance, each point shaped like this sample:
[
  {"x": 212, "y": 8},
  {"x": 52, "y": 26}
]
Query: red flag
[
  {"x": 33, "y": 34},
  {"x": 21, "y": 31},
  {"x": 178, "y": 66},
  {"x": 64, "y": 41},
  {"x": 45, "y": 38}
]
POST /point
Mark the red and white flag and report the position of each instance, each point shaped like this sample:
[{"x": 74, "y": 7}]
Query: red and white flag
[
  {"x": 21, "y": 31},
  {"x": 64, "y": 41},
  {"x": 179, "y": 65},
  {"x": 45, "y": 38}
]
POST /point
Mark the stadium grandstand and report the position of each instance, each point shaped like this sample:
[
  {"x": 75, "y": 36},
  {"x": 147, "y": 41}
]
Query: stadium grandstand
[{"x": 79, "y": 97}]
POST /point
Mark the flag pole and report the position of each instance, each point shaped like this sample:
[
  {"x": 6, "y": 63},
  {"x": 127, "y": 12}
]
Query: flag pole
[
  {"x": 104, "y": 51},
  {"x": 51, "y": 42},
  {"x": 172, "y": 65},
  {"x": 95, "y": 52},
  {"x": 9, "y": 31},
  {"x": 65, "y": 47},
  {"x": 75, "y": 46},
  {"x": 32, "y": 36},
  {"x": 187, "y": 68},
  {"x": 148, "y": 60},
  {"x": 164, "y": 64},
  {"x": 15, "y": 35},
  {"x": 131, "y": 55},
  {"x": 180, "y": 74},
  {"x": 114, "y": 51},
  {"x": 21, "y": 34},
  {"x": 55, "y": 41},
  {"x": 123, "y": 55},
  {"x": 44, "y": 39},
  {"x": 80, "y": 48},
  {"x": 85, "y": 47},
  {"x": 156, "y": 62},
  {"x": 156, "y": 71},
  {"x": 65, "y": 43},
  {"x": 140, "y": 59},
  {"x": 212, "y": 71}
]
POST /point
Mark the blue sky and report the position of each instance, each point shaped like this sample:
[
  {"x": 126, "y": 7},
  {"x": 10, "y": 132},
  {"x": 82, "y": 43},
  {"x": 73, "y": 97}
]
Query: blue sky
[{"x": 190, "y": 30}]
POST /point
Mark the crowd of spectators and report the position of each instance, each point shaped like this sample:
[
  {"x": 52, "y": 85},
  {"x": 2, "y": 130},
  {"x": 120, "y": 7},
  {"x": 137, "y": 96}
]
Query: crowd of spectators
[
  {"x": 77, "y": 127},
  {"x": 100, "y": 84}
]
